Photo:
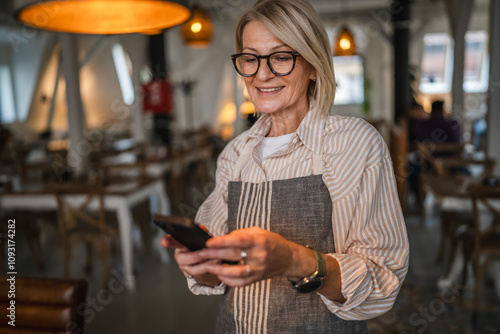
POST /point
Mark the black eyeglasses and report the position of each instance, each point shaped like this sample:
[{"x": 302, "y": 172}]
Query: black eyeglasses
[{"x": 280, "y": 63}]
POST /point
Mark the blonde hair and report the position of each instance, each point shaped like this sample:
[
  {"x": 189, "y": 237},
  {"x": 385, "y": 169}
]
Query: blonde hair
[{"x": 297, "y": 25}]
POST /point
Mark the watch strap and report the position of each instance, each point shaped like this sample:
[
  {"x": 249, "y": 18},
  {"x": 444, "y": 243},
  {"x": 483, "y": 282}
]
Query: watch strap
[{"x": 320, "y": 264}]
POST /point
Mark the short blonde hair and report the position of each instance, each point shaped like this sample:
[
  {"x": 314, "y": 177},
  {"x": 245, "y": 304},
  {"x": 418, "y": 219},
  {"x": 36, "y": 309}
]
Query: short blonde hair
[{"x": 297, "y": 25}]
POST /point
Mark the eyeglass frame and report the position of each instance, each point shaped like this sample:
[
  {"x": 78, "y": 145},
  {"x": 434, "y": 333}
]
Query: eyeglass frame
[{"x": 294, "y": 54}]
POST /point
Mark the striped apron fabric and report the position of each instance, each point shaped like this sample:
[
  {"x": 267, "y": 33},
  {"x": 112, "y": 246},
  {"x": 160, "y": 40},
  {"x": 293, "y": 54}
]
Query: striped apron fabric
[{"x": 300, "y": 210}]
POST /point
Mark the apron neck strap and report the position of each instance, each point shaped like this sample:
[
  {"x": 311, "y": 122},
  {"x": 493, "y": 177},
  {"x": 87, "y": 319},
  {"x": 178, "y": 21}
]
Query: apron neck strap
[
  {"x": 318, "y": 163},
  {"x": 242, "y": 159},
  {"x": 318, "y": 157}
]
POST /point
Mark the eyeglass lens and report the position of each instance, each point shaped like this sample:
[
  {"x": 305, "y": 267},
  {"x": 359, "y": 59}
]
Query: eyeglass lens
[{"x": 280, "y": 63}]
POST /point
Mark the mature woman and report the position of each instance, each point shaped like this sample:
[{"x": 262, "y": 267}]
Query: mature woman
[{"x": 304, "y": 201}]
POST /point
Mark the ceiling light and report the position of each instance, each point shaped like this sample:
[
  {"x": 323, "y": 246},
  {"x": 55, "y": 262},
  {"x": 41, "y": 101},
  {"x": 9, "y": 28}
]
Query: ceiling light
[
  {"x": 345, "y": 45},
  {"x": 197, "y": 32},
  {"x": 104, "y": 16}
]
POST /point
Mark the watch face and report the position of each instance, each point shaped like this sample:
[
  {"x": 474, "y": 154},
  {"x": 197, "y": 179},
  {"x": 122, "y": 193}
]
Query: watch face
[{"x": 310, "y": 286}]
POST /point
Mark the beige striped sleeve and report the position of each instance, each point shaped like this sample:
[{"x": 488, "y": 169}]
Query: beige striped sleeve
[{"x": 370, "y": 235}]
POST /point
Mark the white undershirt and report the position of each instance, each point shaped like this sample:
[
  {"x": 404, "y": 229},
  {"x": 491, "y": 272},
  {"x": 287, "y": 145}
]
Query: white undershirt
[{"x": 270, "y": 145}]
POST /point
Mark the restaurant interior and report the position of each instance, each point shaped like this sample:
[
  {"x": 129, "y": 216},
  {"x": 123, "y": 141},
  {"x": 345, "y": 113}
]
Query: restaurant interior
[{"x": 109, "y": 115}]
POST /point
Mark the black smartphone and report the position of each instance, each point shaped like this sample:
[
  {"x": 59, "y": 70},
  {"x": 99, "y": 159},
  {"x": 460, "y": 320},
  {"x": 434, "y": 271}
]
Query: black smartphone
[{"x": 184, "y": 230}]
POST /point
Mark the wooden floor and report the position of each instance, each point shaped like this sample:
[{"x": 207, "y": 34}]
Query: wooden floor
[{"x": 163, "y": 304}]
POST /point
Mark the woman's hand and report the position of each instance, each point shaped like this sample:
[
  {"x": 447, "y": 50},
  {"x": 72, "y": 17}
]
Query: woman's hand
[
  {"x": 267, "y": 255},
  {"x": 190, "y": 263}
]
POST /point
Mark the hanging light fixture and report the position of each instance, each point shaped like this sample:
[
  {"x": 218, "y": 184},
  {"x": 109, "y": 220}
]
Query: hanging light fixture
[
  {"x": 345, "y": 44},
  {"x": 151, "y": 32},
  {"x": 104, "y": 16},
  {"x": 197, "y": 31}
]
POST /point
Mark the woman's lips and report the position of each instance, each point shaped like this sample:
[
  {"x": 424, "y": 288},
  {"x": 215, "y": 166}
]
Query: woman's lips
[{"x": 269, "y": 90}]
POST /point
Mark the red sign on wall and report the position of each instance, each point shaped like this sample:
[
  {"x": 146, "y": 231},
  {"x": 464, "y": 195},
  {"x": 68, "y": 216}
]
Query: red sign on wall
[{"x": 157, "y": 97}]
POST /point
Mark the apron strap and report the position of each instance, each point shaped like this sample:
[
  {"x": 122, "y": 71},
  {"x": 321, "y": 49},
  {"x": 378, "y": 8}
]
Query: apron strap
[
  {"x": 318, "y": 158},
  {"x": 318, "y": 163},
  {"x": 242, "y": 160}
]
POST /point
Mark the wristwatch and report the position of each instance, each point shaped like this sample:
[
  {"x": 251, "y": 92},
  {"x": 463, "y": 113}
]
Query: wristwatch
[{"x": 315, "y": 281}]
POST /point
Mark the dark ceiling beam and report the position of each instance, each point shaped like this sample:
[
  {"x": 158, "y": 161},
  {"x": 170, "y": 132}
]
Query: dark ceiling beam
[{"x": 401, "y": 25}]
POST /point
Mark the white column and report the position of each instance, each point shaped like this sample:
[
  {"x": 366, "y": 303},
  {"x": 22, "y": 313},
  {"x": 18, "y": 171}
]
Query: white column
[
  {"x": 493, "y": 116},
  {"x": 78, "y": 150},
  {"x": 52, "y": 107},
  {"x": 138, "y": 127},
  {"x": 459, "y": 12}
]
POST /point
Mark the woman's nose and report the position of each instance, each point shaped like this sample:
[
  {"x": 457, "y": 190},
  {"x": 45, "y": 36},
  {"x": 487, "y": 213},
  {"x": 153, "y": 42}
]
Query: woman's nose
[{"x": 264, "y": 71}]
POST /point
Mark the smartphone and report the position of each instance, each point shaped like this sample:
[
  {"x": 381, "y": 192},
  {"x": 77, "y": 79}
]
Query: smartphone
[{"x": 184, "y": 230}]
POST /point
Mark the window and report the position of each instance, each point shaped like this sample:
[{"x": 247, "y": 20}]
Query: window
[
  {"x": 7, "y": 109},
  {"x": 349, "y": 75},
  {"x": 123, "y": 67},
  {"x": 476, "y": 62},
  {"x": 437, "y": 63}
]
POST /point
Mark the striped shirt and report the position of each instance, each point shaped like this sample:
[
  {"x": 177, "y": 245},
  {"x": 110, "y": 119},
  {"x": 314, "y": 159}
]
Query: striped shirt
[{"x": 371, "y": 243}]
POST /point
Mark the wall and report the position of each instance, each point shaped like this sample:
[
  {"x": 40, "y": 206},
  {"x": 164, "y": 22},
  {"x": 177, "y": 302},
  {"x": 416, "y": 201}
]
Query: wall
[
  {"x": 377, "y": 53},
  {"x": 205, "y": 66},
  {"x": 101, "y": 95}
]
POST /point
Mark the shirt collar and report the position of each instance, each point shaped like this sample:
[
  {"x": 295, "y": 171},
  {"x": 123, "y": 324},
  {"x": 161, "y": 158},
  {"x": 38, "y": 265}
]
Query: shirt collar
[{"x": 310, "y": 130}]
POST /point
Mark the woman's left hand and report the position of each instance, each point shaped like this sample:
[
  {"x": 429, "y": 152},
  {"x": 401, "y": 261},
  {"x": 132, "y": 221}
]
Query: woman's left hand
[{"x": 265, "y": 254}]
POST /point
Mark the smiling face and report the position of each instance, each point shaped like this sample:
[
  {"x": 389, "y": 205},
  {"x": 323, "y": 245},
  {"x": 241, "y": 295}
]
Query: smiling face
[{"x": 273, "y": 94}]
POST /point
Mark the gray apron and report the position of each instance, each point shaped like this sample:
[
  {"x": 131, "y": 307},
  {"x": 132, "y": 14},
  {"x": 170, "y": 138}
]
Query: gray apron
[{"x": 300, "y": 210}]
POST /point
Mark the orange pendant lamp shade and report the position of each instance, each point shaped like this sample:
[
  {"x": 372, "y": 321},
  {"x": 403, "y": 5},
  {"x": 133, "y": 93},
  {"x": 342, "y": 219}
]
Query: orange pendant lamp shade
[
  {"x": 197, "y": 31},
  {"x": 104, "y": 16},
  {"x": 345, "y": 44}
]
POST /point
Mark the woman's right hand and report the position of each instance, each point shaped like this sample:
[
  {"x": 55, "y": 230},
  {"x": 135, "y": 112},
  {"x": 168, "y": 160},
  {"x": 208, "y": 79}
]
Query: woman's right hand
[{"x": 190, "y": 263}]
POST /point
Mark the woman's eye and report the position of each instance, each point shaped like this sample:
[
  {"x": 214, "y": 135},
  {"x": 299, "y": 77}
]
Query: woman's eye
[{"x": 282, "y": 58}]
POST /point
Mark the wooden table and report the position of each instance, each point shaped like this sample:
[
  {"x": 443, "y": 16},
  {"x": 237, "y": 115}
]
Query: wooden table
[
  {"x": 448, "y": 186},
  {"x": 157, "y": 166},
  {"x": 117, "y": 197}
]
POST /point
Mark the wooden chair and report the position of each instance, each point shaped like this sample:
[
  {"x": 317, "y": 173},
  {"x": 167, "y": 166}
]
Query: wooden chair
[
  {"x": 486, "y": 241},
  {"x": 78, "y": 223},
  {"x": 141, "y": 212},
  {"x": 444, "y": 160},
  {"x": 44, "y": 305},
  {"x": 398, "y": 147},
  {"x": 431, "y": 153}
]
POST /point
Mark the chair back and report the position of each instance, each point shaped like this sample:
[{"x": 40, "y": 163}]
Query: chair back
[
  {"x": 485, "y": 195},
  {"x": 398, "y": 148},
  {"x": 89, "y": 211},
  {"x": 430, "y": 153},
  {"x": 43, "y": 305}
]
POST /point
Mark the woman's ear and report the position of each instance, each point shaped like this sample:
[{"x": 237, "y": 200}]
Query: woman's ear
[{"x": 312, "y": 77}]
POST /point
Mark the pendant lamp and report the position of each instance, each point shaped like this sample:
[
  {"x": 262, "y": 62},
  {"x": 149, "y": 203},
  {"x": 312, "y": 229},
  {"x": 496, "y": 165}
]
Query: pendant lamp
[
  {"x": 345, "y": 44},
  {"x": 197, "y": 31},
  {"x": 104, "y": 16}
]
